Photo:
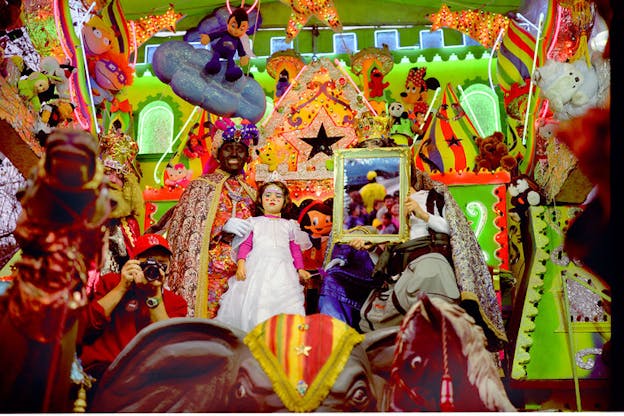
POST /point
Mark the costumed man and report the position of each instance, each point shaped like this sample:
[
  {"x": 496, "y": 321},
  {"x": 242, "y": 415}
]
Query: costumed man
[
  {"x": 227, "y": 44},
  {"x": 211, "y": 210},
  {"x": 118, "y": 154},
  {"x": 372, "y": 191},
  {"x": 457, "y": 273}
]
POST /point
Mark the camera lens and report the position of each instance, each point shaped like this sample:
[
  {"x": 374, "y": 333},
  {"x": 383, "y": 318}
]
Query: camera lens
[{"x": 151, "y": 269}]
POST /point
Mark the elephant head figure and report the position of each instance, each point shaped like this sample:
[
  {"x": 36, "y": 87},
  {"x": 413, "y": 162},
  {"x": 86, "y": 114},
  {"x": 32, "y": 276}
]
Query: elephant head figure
[{"x": 287, "y": 363}]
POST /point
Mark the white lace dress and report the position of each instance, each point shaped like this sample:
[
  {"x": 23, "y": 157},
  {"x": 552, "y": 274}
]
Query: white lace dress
[{"x": 272, "y": 283}]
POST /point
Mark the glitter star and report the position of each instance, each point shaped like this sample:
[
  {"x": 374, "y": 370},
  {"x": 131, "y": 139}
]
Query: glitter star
[
  {"x": 321, "y": 143},
  {"x": 303, "y": 10},
  {"x": 303, "y": 350}
]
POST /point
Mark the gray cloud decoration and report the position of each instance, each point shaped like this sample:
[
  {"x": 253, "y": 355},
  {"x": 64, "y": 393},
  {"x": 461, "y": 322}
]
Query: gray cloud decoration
[{"x": 181, "y": 66}]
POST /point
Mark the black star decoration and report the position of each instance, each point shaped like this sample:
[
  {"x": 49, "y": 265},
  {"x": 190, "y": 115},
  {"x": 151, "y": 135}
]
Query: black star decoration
[
  {"x": 321, "y": 143},
  {"x": 453, "y": 141}
]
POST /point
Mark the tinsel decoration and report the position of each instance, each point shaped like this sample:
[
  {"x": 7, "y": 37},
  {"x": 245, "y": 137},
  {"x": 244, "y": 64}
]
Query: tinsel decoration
[
  {"x": 480, "y": 25},
  {"x": 146, "y": 26}
]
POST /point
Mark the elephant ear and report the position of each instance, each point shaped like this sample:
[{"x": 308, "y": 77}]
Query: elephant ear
[
  {"x": 177, "y": 365},
  {"x": 380, "y": 346}
]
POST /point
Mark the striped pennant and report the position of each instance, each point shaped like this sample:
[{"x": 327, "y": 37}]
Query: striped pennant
[
  {"x": 449, "y": 142},
  {"x": 113, "y": 14},
  {"x": 515, "y": 56},
  {"x": 302, "y": 355}
]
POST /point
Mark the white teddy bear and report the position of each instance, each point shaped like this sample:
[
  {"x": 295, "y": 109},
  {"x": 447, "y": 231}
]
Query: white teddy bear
[{"x": 571, "y": 88}]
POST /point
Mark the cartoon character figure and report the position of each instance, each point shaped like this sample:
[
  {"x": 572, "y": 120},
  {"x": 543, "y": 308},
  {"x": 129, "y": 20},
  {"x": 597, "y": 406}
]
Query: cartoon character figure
[
  {"x": 416, "y": 89},
  {"x": 30, "y": 88},
  {"x": 283, "y": 82},
  {"x": 270, "y": 156},
  {"x": 99, "y": 37},
  {"x": 177, "y": 176},
  {"x": 109, "y": 73},
  {"x": 376, "y": 83},
  {"x": 315, "y": 217},
  {"x": 59, "y": 77},
  {"x": 227, "y": 44}
]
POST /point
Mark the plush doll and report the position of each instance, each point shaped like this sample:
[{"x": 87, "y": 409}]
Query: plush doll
[
  {"x": 59, "y": 76},
  {"x": 30, "y": 88},
  {"x": 493, "y": 153},
  {"x": 315, "y": 218},
  {"x": 177, "y": 176},
  {"x": 417, "y": 87},
  {"x": 270, "y": 156},
  {"x": 571, "y": 88},
  {"x": 226, "y": 45},
  {"x": 376, "y": 83},
  {"x": 283, "y": 82}
]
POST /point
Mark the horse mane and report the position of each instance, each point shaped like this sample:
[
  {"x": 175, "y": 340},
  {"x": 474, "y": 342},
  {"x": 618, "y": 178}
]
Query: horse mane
[{"x": 482, "y": 370}]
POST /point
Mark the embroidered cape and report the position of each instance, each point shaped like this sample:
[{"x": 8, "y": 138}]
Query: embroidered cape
[{"x": 190, "y": 232}]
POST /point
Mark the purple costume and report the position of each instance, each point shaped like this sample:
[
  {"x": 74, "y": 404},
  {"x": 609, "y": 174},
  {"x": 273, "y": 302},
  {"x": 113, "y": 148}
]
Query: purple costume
[
  {"x": 225, "y": 47},
  {"x": 345, "y": 288}
]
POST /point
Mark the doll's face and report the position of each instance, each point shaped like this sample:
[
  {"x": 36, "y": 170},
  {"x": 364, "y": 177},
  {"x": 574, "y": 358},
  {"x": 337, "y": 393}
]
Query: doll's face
[
  {"x": 109, "y": 75},
  {"x": 320, "y": 224},
  {"x": 41, "y": 85},
  {"x": 97, "y": 39},
  {"x": 273, "y": 200},
  {"x": 235, "y": 29}
]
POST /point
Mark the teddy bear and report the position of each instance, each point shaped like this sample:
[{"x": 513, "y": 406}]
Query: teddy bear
[
  {"x": 570, "y": 87},
  {"x": 493, "y": 153}
]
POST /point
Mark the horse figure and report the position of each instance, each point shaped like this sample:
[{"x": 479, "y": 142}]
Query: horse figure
[
  {"x": 441, "y": 364},
  {"x": 65, "y": 203}
]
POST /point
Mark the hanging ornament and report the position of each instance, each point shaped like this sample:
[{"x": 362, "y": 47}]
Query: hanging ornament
[{"x": 303, "y": 10}]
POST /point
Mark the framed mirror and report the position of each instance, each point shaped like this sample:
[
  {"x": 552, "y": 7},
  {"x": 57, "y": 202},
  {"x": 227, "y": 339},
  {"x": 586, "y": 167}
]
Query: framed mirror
[{"x": 365, "y": 175}]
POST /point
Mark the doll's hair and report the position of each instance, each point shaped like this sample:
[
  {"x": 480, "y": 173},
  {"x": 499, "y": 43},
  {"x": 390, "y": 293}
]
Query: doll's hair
[
  {"x": 287, "y": 209},
  {"x": 240, "y": 15},
  {"x": 308, "y": 205}
]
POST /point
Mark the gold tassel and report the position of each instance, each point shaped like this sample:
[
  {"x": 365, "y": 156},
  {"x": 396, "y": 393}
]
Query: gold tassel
[{"x": 80, "y": 405}]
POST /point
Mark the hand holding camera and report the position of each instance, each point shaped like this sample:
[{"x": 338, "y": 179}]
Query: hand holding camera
[{"x": 146, "y": 272}]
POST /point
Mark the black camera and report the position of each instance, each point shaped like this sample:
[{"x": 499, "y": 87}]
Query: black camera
[{"x": 151, "y": 269}]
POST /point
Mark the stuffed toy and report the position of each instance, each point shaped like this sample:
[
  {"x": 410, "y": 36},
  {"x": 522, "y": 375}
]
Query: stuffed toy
[
  {"x": 400, "y": 119},
  {"x": 226, "y": 44},
  {"x": 59, "y": 76},
  {"x": 31, "y": 86},
  {"x": 524, "y": 193},
  {"x": 376, "y": 83},
  {"x": 571, "y": 88},
  {"x": 493, "y": 153},
  {"x": 177, "y": 176},
  {"x": 271, "y": 156}
]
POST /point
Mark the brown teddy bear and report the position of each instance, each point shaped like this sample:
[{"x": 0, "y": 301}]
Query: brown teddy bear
[{"x": 493, "y": 153}]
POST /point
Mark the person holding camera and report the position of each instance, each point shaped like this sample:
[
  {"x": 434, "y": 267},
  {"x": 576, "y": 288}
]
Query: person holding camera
[{"x": 125, "y": 303}]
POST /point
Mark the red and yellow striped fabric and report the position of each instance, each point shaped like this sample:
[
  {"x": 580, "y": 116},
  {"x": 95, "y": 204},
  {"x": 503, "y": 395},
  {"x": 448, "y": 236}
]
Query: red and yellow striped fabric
[
  {"x": 302, "y": 355},
  {"x": 449, "y": 142}
]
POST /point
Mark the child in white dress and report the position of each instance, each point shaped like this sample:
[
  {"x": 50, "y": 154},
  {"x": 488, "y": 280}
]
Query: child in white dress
[{"x": 270, "y": 265}]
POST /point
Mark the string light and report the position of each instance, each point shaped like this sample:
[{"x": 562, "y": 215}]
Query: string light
[
  {"x": 147, "y": 26},
  {"x": 480, "y": 25}
]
